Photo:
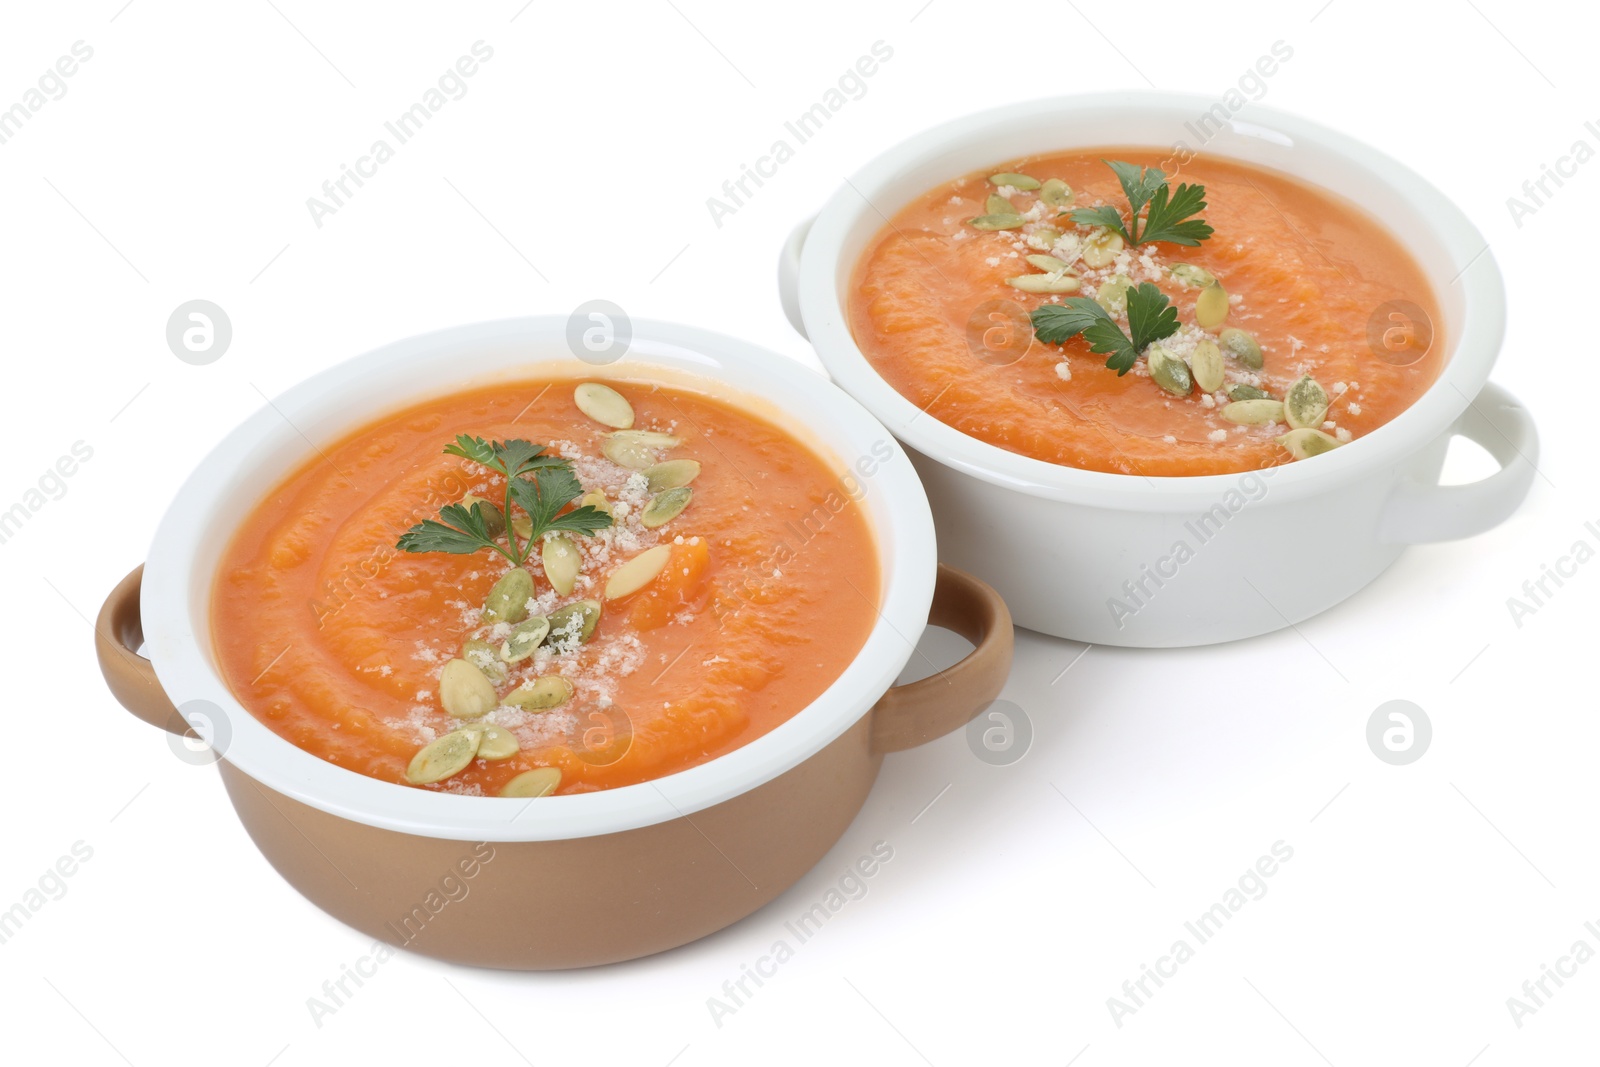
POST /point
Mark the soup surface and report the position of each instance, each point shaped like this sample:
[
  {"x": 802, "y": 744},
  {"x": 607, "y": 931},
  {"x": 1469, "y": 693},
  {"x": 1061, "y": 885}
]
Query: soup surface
[
  {"x": 718, "y": 619},
  {"x": 1306, "y": 284}
]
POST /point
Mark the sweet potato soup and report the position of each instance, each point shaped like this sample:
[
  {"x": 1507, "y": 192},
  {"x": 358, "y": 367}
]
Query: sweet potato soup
[
  {"x": 546, "y": 587},
  {"x": 1087, "y": 309}
]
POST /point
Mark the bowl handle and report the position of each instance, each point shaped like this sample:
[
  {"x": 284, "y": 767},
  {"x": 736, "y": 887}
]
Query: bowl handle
[
  {"x": 789, "y": 274},
  {"x": 118, "y": 633},
  {"x": 1416, "y": 513},
  {"x": 920, "y": 711}
]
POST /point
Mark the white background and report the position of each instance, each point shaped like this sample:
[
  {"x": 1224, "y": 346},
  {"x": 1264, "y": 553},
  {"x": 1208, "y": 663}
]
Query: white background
[{"x": 577, "y": 166}]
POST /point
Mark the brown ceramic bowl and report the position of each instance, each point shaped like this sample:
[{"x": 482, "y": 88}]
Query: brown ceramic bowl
[{"x": 564, "y": 881}]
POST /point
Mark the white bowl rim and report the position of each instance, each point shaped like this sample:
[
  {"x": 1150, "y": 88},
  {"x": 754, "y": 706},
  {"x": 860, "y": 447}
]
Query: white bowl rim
[
  {"x": 187, "y": 673},
  {"x": 1472, "y": 350}
]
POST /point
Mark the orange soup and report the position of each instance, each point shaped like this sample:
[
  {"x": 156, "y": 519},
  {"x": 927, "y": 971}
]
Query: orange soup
[
  {"x": 1300, "y": 322},
  {"x": 668, "y": 587}
]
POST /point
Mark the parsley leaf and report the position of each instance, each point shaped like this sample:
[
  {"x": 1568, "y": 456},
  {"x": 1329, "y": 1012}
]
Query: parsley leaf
[
  {"x": 1168, "y": 208},
  {"x": 1150, "y": 318},
  {"x": 553, "y": 486}
]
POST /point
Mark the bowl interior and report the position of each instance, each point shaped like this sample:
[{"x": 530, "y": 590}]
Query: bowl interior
[
  {"x": 229, "y": 483},
  {"x": 1465, "y": 280}
]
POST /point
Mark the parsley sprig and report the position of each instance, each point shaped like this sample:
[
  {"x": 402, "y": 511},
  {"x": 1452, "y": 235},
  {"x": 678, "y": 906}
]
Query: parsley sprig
[
  {"x": 540, "y": 485},
  {"x": 1168, "y": 210},
  {"x": 1150, "y": 318}
]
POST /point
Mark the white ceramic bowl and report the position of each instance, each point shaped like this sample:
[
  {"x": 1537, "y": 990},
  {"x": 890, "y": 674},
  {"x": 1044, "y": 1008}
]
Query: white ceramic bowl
[
  {"x": 1094, "y": 556},
  {"x": 176, "y": 596}
]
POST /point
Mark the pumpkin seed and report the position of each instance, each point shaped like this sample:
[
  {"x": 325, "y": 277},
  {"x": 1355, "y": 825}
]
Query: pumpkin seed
[
  {"x": 494, "y": 520},
  {"x": 671, "y": 474},
  {"x": 1304, "y": 442},
  {"x": 1168, "y": 371},
  {"x": 494, "y": 742},
  {"x": 481, "y": 654},
  {"x": 1113, "y": 294},
  {"x": 1004, "y": 221},
  {"x": 1253, "y": 412},
  {"x": 541, "y": 694},
  {"x": 1016, "y": 181},
  {"x": 1056, "y": 193},
  {"x": 1044, "y": 238},
  {"x": 508, "y": 600},
  {"x": 563, "y": 627},
  {"x": 604, "y": 405},
  {"x": 1242, "y": 346},
  {"x": 539, "y": 782},
  {"x": 665, "y": 506},
  {"x": 465, "y": 691},
  {"x": 999, "y": 205},
  {"x": 443, "y": 757},
  {"x": 524, "y": 638},
  {"x": 638, "y": 572},
  {"x": 636, "y": 449},
  {"x": 1192, "y": 276},
  {"x": 1241, "y": 391},
  {"x": 1050, "y": 263},
  {"x": 1101, "y": 249},
  {"x": 524, "y": 527},
  {"x": 1044, "y": 283},
  {"x": 562, "y": 562},
  {"x": 1305, "y": 404},
  {"x": 1211, "y": 307},
  {"x": 1206, "y": 366},
  {"x": 594, "y": 498}
]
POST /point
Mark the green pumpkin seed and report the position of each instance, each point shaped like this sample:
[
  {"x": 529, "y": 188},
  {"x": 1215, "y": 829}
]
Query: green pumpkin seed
[
  {"x": 541, "y": 694},
  {"x": 539, "y": 782},
  {"x": 1004, "y": 221},
  {"x": 1192, "y": 276},
  {"x": 494, "y": 742},
  {"x": 1168, "y": 371},
  {"x": 482, "y": 655},
  {"x": 465, "y": 691},
  {"x": 1305, "y": 404},
  {"x": 1016, "y": 181},
  {"x": 672, "y": 474},
  {"x": 1056, "y": 193},
  {"x": 1113, "y": 294},
  {"x": 524, "y": 527},
  {"x": 665, "y": 506},
  {"x": 562, "y": 562},
  {"x": 508, "y": 600},
  {"x": 1206, "y": 366},
  {"x": 1304, "y": 442},
  {"x": 1241, "y": 346},
  {"x": 1044, "y": 238},
  {"x": 563, "y": 626},
  {"x": 999, "y": 205},
  {"x": 1045, "y": 283},
  {"x": 443, "y": 757},
  {"x": 494, "y": 520},
  {"x": 636, "y": 449},
  {"x": 1211, "y": 307},
  {"x": 1253, "y": 412},
  {"x": 1241, "y": 391},
  {"x": 524, "y": 638},
  {"x": 595, "y": 499},
  {"x": 638, "y": 572},
  {"x": 604, "y": 405},
  {"x": 1101, "y": 249},
  {"x": 1050, "y": 263}
]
